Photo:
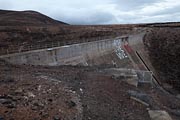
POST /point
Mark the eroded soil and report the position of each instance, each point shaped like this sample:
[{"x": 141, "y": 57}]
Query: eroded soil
[{"x": 74, "y": 93}]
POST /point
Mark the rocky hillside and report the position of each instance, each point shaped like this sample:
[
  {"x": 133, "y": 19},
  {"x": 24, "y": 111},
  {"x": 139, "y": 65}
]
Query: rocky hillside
[
  {"x": 21, "y": 18},
  {"x": 164, "y": 46}
]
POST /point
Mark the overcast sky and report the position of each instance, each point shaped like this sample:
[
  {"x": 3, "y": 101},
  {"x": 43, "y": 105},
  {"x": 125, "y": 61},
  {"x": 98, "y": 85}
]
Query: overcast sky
[{"x": 101, "y": 11}]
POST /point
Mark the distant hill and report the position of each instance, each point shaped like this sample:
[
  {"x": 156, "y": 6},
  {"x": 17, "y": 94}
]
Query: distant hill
[
  {"x": 20, "y": 18},
  {"x": 165, "y": 24},
  {"x": 23, "y": 28}
]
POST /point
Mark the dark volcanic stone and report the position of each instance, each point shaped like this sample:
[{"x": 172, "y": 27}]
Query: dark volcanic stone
[
  {"x": 1, "y": 118},
  {"x": 70, "y": 104},
  {"x": 56, "y": 117}
]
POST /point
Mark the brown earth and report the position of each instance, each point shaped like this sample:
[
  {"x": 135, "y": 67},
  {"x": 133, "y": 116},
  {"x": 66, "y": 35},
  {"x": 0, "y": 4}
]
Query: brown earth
[{"x": 66, "y": 93}]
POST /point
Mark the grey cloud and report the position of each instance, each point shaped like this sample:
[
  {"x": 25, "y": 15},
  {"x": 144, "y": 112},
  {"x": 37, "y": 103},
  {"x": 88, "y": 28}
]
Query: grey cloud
[
  {"x": 127, "y": 18},
  {"x": 155, "y": 18},
  {"x": 168, "y": 11},
  {"x": 88, "y": 18},
  {"x": 5, "y": 5},
  {"x": 128, "y": 5}
]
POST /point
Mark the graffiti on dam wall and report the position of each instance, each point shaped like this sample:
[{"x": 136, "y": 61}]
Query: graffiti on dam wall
[
  {"x": 119, "y": 51},
  {"x": 117, "y": 42}
]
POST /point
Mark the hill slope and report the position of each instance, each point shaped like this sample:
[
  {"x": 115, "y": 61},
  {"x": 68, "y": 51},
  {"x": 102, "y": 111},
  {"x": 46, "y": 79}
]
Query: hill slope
[
  {"x": 16, "y": 18},
  {"x": 19, "y": 28}
]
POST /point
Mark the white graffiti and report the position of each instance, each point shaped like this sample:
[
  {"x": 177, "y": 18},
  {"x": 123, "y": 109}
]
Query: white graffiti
[
  {"x": 117, "y": 42},
  {"x": 119, "y": 51}
]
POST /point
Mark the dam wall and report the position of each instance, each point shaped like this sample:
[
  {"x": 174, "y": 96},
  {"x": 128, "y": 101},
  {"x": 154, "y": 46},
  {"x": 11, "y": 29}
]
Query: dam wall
[{"x": 68, "y": 55}]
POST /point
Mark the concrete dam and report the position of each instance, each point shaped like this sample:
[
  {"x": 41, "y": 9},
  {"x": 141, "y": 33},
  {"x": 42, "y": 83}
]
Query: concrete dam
[
  {"x": 121, "y": 52},
  {"x": 108, "y": 51},
  {"x": 76, "y": 54}
]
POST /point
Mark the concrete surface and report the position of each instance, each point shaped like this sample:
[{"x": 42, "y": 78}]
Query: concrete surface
[
  {"x": 68, "y": 55},
  {"x": 159, "y": 115},
  {"x": 78, "y": 54}
]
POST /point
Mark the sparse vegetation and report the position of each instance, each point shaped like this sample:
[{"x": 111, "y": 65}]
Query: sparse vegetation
[{"x": 164, "y": 46}]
